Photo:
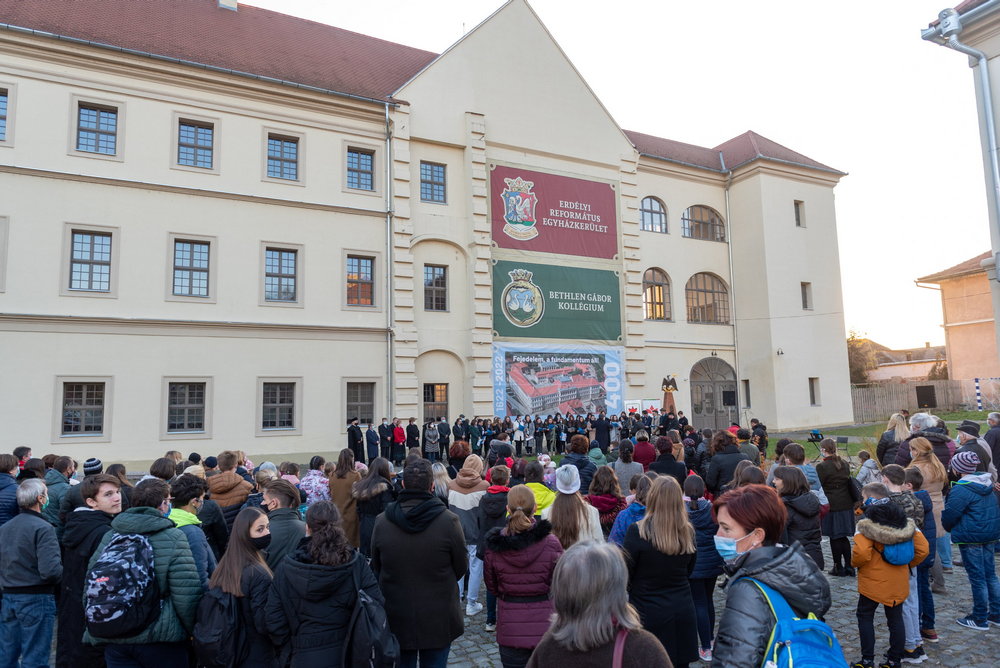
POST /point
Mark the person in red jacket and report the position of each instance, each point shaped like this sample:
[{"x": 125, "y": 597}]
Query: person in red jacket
[
  {"x": 520, "y": 560},
  {"x": 645, "y": 453}
]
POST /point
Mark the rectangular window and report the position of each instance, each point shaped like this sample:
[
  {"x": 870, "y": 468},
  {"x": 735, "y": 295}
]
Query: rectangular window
[
  {"x": 800, "y": 214},
  {"x": 3, "y": 114},
  {"x": 432, "y": 183},
  {"x": 97, "y": 129},
  {"x": 746, "y": 393},
  {"x": 195, "y": 144},
  {"x": 435, "y": 288},
  {"x": 807, "y": 295},
  {"x": 191, "y": 260},
  {"x": 360, "y": 281},
  {"x": 814, "y": 392},
  {"x": 360, "y": 169},
  {"x": 82, "y": 409},
  {"x": 186, "y": 407},
  {"x": 282, "y": 157},
  {"x": 361, "y": 402},
  {"x": 435, "y": 400},
  {"x": 90, "y": 263},
  {"x": 278, "y": 406},
  {"x": 279, "y": 274}
]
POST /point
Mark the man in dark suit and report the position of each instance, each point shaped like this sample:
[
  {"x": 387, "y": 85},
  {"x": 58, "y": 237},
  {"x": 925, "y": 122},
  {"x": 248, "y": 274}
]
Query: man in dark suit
[
  {"x": 356, "y": 440},
  {"x": 445, "y": 431},
  {"x": 385, "y": 438}
]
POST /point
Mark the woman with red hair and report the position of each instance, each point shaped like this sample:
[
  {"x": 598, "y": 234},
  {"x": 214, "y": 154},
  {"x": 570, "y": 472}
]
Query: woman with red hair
[{"x": 751, "y": 520}]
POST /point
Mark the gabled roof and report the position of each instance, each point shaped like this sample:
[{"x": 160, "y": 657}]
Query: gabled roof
[
  {"x": 750, "y": 146},
  {"x": 251, "y": 40},
  {"x": 675, "y": 151},
  {"x": 725, "y": 157},
  {"x": 970, "y": 266}
]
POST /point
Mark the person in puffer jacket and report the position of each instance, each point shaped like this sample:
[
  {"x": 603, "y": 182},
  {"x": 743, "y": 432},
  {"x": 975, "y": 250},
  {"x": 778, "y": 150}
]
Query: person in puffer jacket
[
  {"x": 520, "y": 561},
  {"x": 228, "y": 488},
  {"x": 972, "y": 516},
  {"x": 708, "y": 563},
  {"x": 464, "y": 493},
  {"x": 751, "y": 520},
  {"x": 8, "y": 488},
  {"x": 633, "y": 512},
  {"x": 164, "y": 642},
  {"x": 882, "y": 536},
  {"x": 577, "y": 456},
  {"x": 803, "y": 511},
  {"x": 493, "y": 515}
]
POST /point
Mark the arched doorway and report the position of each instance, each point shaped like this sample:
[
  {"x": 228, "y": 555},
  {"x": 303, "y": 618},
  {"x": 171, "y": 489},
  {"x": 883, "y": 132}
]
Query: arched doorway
[{"x": 713, "y": 394}]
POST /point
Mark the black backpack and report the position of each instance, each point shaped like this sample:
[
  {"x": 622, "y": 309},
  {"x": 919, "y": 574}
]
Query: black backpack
[
  {"x": 369, "y": 642},
  {"x": 219, "y": 633},
  {"x": 122, "y": 595}
]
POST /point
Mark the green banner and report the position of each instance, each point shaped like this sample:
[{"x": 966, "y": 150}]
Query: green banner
[{"x": 538, "y": 301}]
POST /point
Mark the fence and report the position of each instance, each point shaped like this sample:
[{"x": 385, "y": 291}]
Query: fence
[{"x": 877, "y": 401}]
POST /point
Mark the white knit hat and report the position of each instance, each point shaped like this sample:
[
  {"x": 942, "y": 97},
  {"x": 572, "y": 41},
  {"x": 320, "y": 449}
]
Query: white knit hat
[{"x": 568, "y": 479}]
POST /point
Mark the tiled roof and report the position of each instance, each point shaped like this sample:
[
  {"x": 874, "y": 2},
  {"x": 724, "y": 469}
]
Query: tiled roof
[
  {"x": 970, "y": 266},
  {"x": 250, "y": 40},
  {"x": 675, "y": 151},
  {"x": 750, "y": 146},
  {"x": 734, "y": 153}
]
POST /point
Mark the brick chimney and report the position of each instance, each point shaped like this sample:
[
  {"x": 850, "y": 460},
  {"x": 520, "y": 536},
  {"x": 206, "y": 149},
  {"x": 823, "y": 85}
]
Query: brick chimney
[{"x": 229, "y": 4}]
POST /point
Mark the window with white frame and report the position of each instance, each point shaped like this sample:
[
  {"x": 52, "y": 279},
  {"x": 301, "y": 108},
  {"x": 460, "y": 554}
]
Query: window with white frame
[
  {"x": 656, "y": 295},
  {"x": 707, "y": 300},
  {"x": 702, "y": 222},
  {"x": 653, "y": 215},
  {"x": 97, "y": 129}
]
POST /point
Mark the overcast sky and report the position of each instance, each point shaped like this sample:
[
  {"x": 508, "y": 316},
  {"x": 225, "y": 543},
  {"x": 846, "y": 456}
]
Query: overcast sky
[{"x": 848, "y": 83}]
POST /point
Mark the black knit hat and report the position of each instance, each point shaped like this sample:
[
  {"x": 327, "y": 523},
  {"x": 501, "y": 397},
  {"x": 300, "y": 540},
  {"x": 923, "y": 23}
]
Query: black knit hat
[
  {"x": 888, "y": 514},
  {"x": 93, "y": 466},
  {"x": 194, "y": 458}
]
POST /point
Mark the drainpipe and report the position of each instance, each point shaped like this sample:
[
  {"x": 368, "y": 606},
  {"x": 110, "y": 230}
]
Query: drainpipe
[
  {"x": 390, "y": 345},
  {"x": 732, "y": 285},
  {"x": 946, "y": 34}
]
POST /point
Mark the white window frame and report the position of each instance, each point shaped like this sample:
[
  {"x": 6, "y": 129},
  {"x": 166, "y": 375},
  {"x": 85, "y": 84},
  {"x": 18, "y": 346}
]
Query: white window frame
[
  {"x": 179, "y": 117},
  {"x": 213, "y": 268},
  {"x": 300, "y": 257},
  {"x": 206, "y": 432},
  {"x": 67, "y": 259},
  {"x": 300, "y": 155},
  {"x": 118, "y": 105},
  {"x": 11, "y": 88},
  {"x": 296, "y": 408},
  {"x": 57, "y": 413}
]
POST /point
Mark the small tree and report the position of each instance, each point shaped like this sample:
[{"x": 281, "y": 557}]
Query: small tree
[
  {"x": 939, "y": 371},
  {"x": 860, "y": 357}
]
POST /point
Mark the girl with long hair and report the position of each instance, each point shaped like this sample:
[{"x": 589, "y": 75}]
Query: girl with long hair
[
  {"x": 312, "y": 598},
  {"x": 372, "y": 493},
  {"x": 661, "y": 555},
  {"x": 896, "y": 431},
  {"x": 573, "y": 520},
  {"x": 935, "y": 482},
  {"x": 838, "y": 524},
  {"x": 519, "y": 561},
  {"x": 625, "y": 466},
  {"x": 802, "y": 511},
  {"x": 605, "y": 495},
  {"x": 341, "y": 493},
  {"x": 442, "y": 481},
  {"x": 243, "y": 572},
  {"x": 119, "y": 471},
  {"x": 634, "y": 511}
]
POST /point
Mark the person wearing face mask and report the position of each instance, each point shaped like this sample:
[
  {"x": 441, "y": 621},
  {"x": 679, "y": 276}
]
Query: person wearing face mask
[
  {"x": 751, "y": 520},
  {"x": 189, "y": 495},
  {"x": 311, "y": 600},
  {"x": 165, "y": 641},
  {"x": 281, "y": 503},
  {"x": 243, "y": 573},
  {"x": 30, "y": 570}
]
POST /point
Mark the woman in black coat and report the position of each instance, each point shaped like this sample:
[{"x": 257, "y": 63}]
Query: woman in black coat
[
  {"x": 666, "y": 463},
  {"x": 803, "y": 511},
  {"x": 373, "y": 493},
  {"x": 722, "y": 466},
  {"x": 313, "y": 594},
  {"x": 243, "y": 573},
  {"x": 661, "y": 551}
]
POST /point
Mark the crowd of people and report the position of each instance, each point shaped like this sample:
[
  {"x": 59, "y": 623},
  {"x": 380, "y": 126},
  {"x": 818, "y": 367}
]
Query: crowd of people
[{"x": 593, "y": 550}]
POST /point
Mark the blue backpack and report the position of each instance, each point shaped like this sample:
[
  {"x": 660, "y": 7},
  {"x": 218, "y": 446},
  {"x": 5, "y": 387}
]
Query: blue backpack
[{"x": 803, "y": 643}]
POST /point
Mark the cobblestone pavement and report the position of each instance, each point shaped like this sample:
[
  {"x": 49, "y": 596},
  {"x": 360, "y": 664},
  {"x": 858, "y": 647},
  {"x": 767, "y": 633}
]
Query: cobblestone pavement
[{"x": 958, "y": 646}]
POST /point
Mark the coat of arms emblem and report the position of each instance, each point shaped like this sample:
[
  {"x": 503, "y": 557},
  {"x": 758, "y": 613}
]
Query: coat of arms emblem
[
  {"x": 519, "y": 209},
  {"x": 522, "y": 300}
]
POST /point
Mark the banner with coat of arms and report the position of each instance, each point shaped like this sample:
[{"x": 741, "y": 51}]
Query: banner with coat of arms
[
  {"x": 548, "y": 213},
  {"x": 540, "y": 301}
]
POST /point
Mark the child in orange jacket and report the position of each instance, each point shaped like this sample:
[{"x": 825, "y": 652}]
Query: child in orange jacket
[{"x": 887, "y": 544}]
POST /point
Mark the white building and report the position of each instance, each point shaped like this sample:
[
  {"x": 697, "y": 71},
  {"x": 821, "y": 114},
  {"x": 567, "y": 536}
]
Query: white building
[{"x": 239, "y": 228}]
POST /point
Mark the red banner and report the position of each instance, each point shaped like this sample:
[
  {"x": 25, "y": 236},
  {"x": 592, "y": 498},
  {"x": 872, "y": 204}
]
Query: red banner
[{"x": 535, "y": 211}]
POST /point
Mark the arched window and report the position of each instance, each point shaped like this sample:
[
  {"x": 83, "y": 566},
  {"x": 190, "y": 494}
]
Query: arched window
[
  {"x": 653, "y": 215},
  {"x": 702, "y": 222},
  {"x": 656, "y": 295},
  {"x": 707, "y": 300}
]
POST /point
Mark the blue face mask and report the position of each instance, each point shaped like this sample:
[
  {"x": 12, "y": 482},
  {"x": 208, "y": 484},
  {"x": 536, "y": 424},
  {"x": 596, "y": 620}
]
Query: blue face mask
[
  {"x": 726, "y": 547},
  {"x": 170, "y": 507}
]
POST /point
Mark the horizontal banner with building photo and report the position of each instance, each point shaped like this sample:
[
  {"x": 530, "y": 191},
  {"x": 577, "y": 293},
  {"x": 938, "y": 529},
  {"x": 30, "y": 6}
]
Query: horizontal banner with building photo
[
  {"x": 535, "y": 211},
  {"x": 544, "y": 379},
  {"x": 540, "y": 301}
]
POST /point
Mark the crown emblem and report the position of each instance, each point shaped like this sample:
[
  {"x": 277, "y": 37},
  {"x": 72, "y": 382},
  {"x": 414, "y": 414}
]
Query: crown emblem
[
  {"x": 519, "y": 275},
  {"x": 519, "y": 185}
]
